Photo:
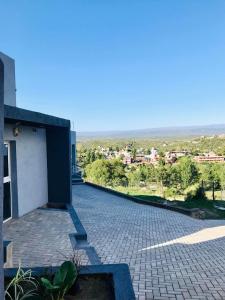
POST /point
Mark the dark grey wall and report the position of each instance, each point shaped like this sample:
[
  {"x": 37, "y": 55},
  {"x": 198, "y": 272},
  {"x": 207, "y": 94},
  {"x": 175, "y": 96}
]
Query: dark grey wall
[
  {"x": 14, "y": 189},
  {"x": 1, "y": 176},
  {"x": 59, "y": 165},
  {"x": 32, "y": 118}
]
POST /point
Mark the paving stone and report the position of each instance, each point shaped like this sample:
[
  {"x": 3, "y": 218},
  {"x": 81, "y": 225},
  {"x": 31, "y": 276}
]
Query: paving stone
[
  {"x": 120, "y": 230},
  {"x": 40, "y": 238}
]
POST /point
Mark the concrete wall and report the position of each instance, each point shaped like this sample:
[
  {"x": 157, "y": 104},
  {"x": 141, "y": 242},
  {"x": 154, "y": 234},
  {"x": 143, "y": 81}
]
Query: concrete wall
[
  {"x": 9, "y": 82},
  {"x": 31, "y": 155}
]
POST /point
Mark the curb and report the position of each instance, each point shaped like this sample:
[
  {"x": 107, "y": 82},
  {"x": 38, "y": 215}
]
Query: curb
[
  {"x": 189, "y": 212},
  {"x": 79, "y": 239}
]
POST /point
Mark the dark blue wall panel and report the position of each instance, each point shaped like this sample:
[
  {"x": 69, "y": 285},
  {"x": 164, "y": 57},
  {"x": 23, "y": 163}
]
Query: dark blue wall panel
[{"x": 59, "y": 165}]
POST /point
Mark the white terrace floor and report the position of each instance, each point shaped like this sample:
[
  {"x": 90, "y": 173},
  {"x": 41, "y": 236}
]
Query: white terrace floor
[{"x": 171, "y": 256}]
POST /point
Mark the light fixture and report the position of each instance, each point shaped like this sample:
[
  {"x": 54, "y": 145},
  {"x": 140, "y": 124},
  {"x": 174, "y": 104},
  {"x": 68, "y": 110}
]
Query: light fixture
[{"x": 17, "y": 130}]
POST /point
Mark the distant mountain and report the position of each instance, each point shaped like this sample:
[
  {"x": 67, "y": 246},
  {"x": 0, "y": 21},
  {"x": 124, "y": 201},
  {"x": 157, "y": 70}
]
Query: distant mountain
[{"x": 163, "y": 132}]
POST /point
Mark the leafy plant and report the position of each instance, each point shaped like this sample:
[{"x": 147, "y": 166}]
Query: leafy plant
[
  {"x": 22, "y": 286},
  {"x": 62, "y": 281},
  {"x": 197, "y": 194}
]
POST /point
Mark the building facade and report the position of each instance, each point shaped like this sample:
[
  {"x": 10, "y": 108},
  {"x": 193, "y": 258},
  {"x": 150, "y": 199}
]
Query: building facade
[{"x": 37, "y": 155}]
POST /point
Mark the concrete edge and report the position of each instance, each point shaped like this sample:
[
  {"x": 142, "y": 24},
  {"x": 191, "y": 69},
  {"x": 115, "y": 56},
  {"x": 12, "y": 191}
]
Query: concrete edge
[
  {"x": 188, "y": 212},
  {"x": 79, "y": 239},
  {"x": 24, "y": 115},
  {"x": 81, "y": 232}
]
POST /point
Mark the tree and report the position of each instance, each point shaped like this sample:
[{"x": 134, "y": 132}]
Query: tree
[
  {"x": 196, "y": 194},
  {"x": 210, "y": 175},
  {"x": 174, "y": 181},
  {"x": 149, "y": 172},
  {"x": 106, "y": 172},
  {"x": 206, "y": 173},
  {"x": 117, "y": 173},
  {"x": 161, "y": 175},
  {"x": 222, "y": 181},
  {"x": 134, "y": 178},
  {"x": 161, "y": 154},
  {"x": 98, "y": 172},
  {"x": 134, "y": 152},
  {"x": 87, "y": 156},
  {"x": 188, "y": 172},
  {"x": 142, "y": 174}
]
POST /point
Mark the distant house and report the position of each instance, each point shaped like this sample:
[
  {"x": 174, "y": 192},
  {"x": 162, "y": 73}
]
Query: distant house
[
  {"x": 172, "y": 156},
  {"x": 209, "y": 158},
  {"x": 37, "y": 154},
  {"x": 127, "y": 160},
  {"x": 139, "y": 158},
  {"x": 154, "y": 155},
  {"x": 177, "y": 154}
]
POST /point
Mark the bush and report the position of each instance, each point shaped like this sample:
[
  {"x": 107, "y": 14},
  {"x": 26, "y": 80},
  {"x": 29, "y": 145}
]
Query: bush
[
  {"x": 106, "y": 172},
  {"x": 171, "y": 193},
  {"x": 197, "y": 194}
]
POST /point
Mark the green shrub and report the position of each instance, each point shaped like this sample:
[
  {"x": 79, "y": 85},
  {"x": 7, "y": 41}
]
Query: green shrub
[
  {"x": 171, "y": 193},
  {"x": 62, "y": 281},
  {"x": 196, "y": 194}
]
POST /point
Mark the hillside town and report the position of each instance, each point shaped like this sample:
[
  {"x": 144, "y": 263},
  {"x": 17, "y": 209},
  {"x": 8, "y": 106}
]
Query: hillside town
[{"x": 138, "y": 156}]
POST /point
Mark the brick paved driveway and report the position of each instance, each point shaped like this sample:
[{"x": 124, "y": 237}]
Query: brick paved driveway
[
  {"x": 40, "y": 238},
  {"x": 171, "y": 256}
]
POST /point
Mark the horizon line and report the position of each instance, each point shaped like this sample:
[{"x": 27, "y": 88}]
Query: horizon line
[{"x": 152, "y": 128}]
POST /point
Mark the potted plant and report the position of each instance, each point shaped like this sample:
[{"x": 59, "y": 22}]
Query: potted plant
[{"x": 67, "y": 282}]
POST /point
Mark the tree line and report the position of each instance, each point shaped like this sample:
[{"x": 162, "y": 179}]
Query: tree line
[{"x": 171, "y": 180}]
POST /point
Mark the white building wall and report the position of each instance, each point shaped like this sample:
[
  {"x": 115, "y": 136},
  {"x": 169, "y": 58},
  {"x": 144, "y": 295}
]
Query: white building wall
[
  {"x": 10, "y": 81},
  {"x": 32, "y": 176}
]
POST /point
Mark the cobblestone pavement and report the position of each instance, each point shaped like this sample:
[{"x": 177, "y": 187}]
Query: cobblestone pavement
[
  {"x": 171, "y": 256},
  {"x": 40, "y": 238}
]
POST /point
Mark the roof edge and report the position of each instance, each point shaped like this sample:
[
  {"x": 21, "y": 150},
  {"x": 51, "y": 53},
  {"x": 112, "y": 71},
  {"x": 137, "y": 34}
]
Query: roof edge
[{"x": 17, "y": 114}]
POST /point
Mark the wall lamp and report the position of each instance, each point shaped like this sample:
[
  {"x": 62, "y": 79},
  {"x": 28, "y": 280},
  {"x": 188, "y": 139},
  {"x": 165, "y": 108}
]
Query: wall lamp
[{"x": 17, "y": 129}]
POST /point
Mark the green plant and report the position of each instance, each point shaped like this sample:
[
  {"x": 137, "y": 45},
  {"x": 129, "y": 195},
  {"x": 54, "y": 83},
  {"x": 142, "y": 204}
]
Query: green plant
[
  {"x": 197, "y": 194},
  {"x": 62, "y": 281},
  {"x": 171, "y": 193},
  {"x": 22, "y": 286}
]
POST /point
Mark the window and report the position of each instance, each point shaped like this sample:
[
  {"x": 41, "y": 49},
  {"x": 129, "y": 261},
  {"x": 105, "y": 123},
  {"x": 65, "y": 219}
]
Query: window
[
  {"x": 7, "y": 203},
  {"x": 6, "y": 161}
]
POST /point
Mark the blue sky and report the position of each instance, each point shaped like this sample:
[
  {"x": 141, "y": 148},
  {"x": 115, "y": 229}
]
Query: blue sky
[{"x": 119, "y": 64}]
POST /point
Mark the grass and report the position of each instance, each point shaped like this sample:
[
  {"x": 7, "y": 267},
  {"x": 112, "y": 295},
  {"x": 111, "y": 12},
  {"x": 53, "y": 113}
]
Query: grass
[{"x": 207, "y": 205}]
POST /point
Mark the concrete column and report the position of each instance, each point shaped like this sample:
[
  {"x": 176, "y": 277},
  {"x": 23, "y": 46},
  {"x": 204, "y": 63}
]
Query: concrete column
[
  {"x": 1, "y": 176},
  {"x": 73, "y": 152},
  {"x": 9, "y": 80},
  {"x": 59, "y": 165}
]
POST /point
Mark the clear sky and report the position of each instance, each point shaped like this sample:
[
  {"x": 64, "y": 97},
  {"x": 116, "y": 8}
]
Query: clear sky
[{"x": 118, "y": 64}]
